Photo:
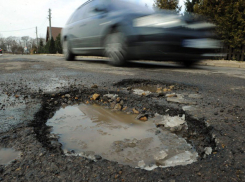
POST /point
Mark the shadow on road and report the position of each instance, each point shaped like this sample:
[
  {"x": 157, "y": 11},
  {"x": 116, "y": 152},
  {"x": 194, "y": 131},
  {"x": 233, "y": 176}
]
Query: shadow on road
[{"x": 143, "y": 64}]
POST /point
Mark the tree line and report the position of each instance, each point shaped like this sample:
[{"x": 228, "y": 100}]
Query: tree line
[
  {"x": 17, "y": 45},
  {"x": 51, "y": 47},
  {"x": 229, "y": 16}
]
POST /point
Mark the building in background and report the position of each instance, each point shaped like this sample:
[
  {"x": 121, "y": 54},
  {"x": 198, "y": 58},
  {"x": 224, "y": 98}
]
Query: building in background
[{"x": 55, "y": 32}]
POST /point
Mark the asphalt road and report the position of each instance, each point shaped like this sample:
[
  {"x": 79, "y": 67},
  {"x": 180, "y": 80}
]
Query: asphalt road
[{"x": 26, "y": 79}]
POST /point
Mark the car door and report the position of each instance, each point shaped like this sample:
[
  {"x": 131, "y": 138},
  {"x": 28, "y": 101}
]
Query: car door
[
  {"x": 92, "y": 29},
  {"x": 76, "y": 30}
]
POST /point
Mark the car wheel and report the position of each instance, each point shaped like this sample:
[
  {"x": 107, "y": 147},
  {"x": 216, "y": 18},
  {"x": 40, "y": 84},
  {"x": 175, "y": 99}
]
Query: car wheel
[
  {"x": 69, "y": 56},
  {"x": 116, "y": 48}
]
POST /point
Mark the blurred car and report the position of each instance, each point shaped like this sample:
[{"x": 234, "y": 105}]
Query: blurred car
[
  {"x": 1, "y": 51},
  {"x": 126, "y": 31}
]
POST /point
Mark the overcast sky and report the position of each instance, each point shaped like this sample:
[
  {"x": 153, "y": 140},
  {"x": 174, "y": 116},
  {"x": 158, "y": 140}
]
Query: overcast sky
[{"x": 27, "y": 14}]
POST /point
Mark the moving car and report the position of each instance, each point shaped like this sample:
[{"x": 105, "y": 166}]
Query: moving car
[{"x": 126, "y": 31}]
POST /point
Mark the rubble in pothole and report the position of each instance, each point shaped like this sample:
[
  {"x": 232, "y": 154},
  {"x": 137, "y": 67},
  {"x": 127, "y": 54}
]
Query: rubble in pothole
[
  {"x": 141, "y": 92},
  {"x": 174, "y": 123},
  {"x": 167, "y": 92}
]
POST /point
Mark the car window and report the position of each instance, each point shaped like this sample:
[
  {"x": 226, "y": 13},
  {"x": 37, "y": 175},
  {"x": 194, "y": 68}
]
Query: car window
[
  {"x": 85, "y": 11},
  {"x": 70, "y": 19},
  {"x": 77, "y": 15},
  {"x": 89, "y": 10}
]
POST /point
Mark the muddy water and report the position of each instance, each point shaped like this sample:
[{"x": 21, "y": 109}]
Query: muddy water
[
  {"x": 118, "y": 137},
  {"x": 7, "y": 155}
]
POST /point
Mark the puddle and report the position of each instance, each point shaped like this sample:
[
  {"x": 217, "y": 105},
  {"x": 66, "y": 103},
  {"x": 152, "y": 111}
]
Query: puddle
[
  {"x": 7, "y": 155},
  {"x": 116, "y": 136}
]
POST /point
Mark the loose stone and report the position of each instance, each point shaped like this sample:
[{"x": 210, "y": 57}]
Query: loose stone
[
  {"x": 135, "y": 111},
  {"x": 67, "y": 95},
  {"x": 161, "y": 155},
  {"x": 208, "y": 150},
  {"x": 96, "y": 96},
  {"x": 118, "y": 107},
  {"x": 94, "y": 86},
  {"x": 141, "y": 164}
]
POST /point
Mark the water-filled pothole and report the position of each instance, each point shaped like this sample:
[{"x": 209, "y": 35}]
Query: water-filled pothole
[
  {"x": 93, "y": 130},
  {"x": 7, "y": 155}
]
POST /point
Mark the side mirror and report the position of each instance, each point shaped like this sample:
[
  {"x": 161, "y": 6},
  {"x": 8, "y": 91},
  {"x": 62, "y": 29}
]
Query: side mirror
[{"x": 100, "y": 9}]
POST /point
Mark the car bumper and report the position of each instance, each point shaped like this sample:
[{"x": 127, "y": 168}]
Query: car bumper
[
  {"x": 174, "y": 46},
  {"x": 168, "y": 52}
]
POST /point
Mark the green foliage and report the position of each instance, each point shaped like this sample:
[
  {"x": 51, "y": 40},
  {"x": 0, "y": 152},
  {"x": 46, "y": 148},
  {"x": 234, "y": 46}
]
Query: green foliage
[
  {"x": 52, "y": 46},
  {"x": 41, "y": 43},
  {"x": 168, "y": 4},
  {"x": 229, "y": 16},
  {"x": 46, "y": 48},
  {"x": 58, "y": 46},
  {"x": 41, "y": 47},
  {"x": 189, "y": 5}
]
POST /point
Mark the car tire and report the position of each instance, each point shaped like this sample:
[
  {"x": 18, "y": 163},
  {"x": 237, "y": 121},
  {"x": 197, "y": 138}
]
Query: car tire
[
  {"x": 116, "y": 48},
  {"x": 69, "y": 56}
]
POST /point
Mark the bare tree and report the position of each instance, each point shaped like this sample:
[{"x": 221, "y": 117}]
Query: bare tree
[
  {"x": 25, "y": 39},
  {"x": 2, "y": 43},
  {"x": 14, "y": 46},
  {"x": 9, "y": 42}
]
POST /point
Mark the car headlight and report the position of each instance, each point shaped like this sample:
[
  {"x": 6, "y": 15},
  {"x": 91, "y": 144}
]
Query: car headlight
[{"x": 158, "y": 20}]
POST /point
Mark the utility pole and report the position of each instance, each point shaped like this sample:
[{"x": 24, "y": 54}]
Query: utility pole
[
  {"x": 50, "y": 31},
  {"x": 37, "y": 39}
]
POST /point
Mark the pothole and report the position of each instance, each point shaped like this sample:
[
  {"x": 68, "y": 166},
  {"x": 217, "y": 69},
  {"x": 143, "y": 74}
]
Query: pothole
[
  {"x": 93, "y": 131},
  {"x": 119, "y": 126},
  {"x": 7, "y": 155}
]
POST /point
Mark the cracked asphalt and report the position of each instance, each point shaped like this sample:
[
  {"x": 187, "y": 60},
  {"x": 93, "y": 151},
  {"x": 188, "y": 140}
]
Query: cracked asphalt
[{"x": 30, "y": 84}]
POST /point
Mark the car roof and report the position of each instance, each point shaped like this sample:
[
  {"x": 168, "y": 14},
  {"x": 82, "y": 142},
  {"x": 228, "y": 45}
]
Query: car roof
[
  {"x": 85, "y": 3},
  {"x": 121, "y": 3}
]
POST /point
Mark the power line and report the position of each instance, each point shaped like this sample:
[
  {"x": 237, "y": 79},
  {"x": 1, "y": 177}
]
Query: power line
[
  {"x": 43, "y": 23},
  {"x": 43, "y": 26},
  {"x": 25, "y": 28},
  {"x": 18, "y": 30}
]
